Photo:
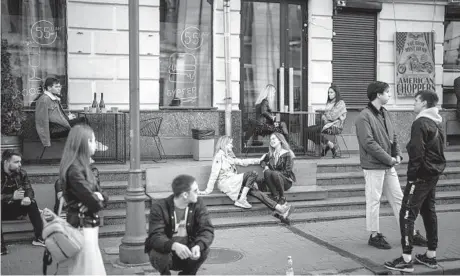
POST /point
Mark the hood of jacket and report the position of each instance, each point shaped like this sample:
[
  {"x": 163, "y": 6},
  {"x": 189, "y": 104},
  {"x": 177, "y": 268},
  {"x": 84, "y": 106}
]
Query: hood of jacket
[{"x": 431, "y": 113}]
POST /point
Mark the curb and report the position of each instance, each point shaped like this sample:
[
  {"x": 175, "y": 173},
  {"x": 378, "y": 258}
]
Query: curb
[{"x": 444, "y": 268}]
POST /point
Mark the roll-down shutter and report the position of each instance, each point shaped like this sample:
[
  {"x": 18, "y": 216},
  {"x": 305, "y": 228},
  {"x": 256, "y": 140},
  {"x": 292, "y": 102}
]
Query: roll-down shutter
[{"x": 354, "y": 55}]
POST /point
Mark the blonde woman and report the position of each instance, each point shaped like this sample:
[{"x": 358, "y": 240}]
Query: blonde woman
[
  {"x": 278, "y": 165},
  {"x": 266, "y": 123},
  {"x": 237, "y": 185}
]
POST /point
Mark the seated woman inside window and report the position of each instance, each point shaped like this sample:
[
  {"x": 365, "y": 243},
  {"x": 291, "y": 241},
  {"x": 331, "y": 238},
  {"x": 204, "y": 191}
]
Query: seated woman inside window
[
  {"x": 331, "y": 122},
  {"x": 266, "y": 121}
]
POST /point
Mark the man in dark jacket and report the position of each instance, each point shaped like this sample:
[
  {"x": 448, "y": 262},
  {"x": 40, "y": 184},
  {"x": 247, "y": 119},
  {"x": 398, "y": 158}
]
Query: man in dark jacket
[
  {"x": 426, "y": 164},
  {"x": 180, "y": 231},
  {"x": 18, "y": 196},
  {"x": 379, "y": 153}
]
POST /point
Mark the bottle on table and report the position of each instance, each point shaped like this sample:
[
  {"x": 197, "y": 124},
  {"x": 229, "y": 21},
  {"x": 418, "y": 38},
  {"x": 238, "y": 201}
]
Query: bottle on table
[
  {"x": 94, "y": 105},
  {"x": 102, "y": 104}
]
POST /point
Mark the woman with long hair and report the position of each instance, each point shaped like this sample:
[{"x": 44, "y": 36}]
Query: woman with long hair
[
  {"x": 278, "y": 165},
  {"x": 237, "y": 185},
  {"x": 84, "y": 198},
  {"x": 331, "y": 122},
  {"x": 266, "y": 123}
]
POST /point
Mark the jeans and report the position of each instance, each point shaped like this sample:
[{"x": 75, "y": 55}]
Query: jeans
[
  {"x": 165, "y": 262},
  {"x": 13, "y": 210},
  {"x": 419, "y": 196},
  {"x": 276, "y": 182},
  {"x": 378, "y": 182},
  {"x": 249, "y": 178}
]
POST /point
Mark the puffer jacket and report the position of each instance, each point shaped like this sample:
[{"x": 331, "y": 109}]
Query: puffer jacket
[
  {"x": 200, "y": 230},
  {"x": 374, "y": 139},
  {"x": 79, "y": 189},
  {"x": 426, "y": 146},
  {"x": 13, "y": 182}
]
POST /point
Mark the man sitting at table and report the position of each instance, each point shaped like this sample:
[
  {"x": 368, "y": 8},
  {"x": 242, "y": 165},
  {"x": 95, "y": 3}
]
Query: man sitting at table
[{"x": 50, "y": 119}]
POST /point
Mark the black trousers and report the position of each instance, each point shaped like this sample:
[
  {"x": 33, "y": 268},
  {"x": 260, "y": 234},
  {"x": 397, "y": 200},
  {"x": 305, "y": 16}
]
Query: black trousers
[
  {"x": 314, "y": 134},
  {"x": 276, "y": 182},
  {"x": 165, "y": 262},
  {"x": 57, "y": 131},
  {"x": 13, "y": 210},
  {"x": 249, "y": 178},
  {"x": 419, "y": 196}
]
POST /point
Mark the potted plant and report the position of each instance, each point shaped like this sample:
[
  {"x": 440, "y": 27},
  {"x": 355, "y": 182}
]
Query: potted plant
[{"x": 12, "y": 103}]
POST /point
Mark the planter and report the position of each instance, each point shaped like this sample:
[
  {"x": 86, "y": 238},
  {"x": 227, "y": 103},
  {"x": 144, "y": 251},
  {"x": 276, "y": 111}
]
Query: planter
[{"x": 11, "y": 142}]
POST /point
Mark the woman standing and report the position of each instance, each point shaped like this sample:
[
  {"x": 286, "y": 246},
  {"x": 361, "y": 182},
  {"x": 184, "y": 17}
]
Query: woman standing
[
  {"x": 331, "y": 121},
  {"x": 84, "y": 198},
  {"x": 237, "y": 185},
  {"x": 278, "y": 165},
  {"x": 265, "y": 124}
]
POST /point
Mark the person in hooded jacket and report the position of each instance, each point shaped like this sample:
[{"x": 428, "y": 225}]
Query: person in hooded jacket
[{"x": 426, "y": 164}]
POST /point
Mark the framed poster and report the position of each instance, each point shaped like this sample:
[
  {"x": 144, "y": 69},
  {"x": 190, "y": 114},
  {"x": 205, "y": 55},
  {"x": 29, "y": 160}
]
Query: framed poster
[{"x": 414, "y": 66}]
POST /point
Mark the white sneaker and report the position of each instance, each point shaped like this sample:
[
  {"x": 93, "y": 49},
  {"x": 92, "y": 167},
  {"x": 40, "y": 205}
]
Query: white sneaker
[
  {"x": 243, "y": 203},
  {"x": 38, "y": 242},
  {"x": 101, "y": 147}
]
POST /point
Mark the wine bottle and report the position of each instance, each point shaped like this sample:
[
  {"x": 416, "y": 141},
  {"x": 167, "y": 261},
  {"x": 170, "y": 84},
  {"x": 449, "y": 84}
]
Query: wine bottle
[
  {"x": 94, "y": 105},
  {"x": 102, "y": 104}
]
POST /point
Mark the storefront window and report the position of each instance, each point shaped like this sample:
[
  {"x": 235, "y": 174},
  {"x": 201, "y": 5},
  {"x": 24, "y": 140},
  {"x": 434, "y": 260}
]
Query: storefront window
[
  {"x": 185, "y": 53},
  {"x": 34, "y": 34},
  {"x": 452, "y": 45}
]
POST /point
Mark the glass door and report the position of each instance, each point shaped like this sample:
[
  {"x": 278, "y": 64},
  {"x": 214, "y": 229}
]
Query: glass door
[{"x": 273, "y": 52}]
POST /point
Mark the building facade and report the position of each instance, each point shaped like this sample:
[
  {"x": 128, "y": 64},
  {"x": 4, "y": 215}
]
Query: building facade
[{"x": 299, "y": 46}]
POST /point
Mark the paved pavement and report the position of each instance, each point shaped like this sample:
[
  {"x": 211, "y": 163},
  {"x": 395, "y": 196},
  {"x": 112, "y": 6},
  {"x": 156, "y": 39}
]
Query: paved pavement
[{"x": 334, "y": 247}]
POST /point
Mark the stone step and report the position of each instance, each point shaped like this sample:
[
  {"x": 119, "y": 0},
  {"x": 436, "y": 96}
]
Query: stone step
[
  {"x": 354, "y": 166},
  {"x": 217, "y": 198},
  {"x": 113, "y": 188},
  {"x": 118, "y": 230},
  {"x": 105, "y": 175},
  {"x": 337, "y": 191},
  {"x": 346, "y": 178}
]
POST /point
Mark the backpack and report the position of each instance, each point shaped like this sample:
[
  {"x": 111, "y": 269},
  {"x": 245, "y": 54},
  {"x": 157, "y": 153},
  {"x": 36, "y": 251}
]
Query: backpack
[{"x": 62, "y": 240}]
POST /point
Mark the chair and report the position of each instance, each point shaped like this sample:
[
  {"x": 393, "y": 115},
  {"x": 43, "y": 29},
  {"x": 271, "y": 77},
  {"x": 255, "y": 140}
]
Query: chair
[
  {"x": 150, "y": 128},
  {"x": 336, "y": 133}
]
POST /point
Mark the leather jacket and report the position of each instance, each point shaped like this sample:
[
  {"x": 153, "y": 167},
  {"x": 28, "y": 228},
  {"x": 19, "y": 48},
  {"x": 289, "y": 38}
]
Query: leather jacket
[
  {"x": 284, "y": 165},
  {"x": 264, "y": 113},
  {"x": 13, "y": 182},
  {"x": 79, "y": 189}
]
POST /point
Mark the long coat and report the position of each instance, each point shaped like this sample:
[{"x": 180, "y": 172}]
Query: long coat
[{"x": 224, "y": 172}]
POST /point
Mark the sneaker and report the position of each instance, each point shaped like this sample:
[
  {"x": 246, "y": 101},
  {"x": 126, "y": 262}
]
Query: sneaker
[
  {"x": 379, "y": 242},
  {"x": 423, "y": 259},
  {"x": 282, "y": 200},
  {"x": 101, "y": 147},
  {"x": 419, "y": 240},
  {"x": 243, "y": 203},
  {"x": 400, "y": 265},
  {"x": 38, "y": 242},
  {"x": 4, "y": 250},
  {"x": 287, "y": 211}
]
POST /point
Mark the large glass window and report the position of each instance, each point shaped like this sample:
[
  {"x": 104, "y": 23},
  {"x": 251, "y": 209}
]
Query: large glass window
[
  {"x": 452, "y": 45},
  {"x": 34, "y": 34},
  {"x": 185, "y": 53}
]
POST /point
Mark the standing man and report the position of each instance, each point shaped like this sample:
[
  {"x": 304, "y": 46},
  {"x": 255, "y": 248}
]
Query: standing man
[
  {"x": 180, "y": 231},
  {"x": 18, "y": 196},
  {"x": 426, "y": 164},
  {"x": 376, "y": 134}
]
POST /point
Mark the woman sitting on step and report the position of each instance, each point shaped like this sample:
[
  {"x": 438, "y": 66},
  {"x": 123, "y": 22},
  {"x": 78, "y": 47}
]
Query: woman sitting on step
[
  {"x": 237, "y": 185},
  {"x": 278, "y": 165}
]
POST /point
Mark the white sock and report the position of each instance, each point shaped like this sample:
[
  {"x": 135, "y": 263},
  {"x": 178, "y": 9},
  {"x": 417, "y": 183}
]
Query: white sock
[
  {"x": 431, "y": 254},
  {"x": 374, "y": 233},
  {"x": 407, "y": 257}
]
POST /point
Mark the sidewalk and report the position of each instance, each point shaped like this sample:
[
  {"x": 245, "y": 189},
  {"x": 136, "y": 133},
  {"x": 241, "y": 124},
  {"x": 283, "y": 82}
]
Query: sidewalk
[{"x": 335, "y": 247}]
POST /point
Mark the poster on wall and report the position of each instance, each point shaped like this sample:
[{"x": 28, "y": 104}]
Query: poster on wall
[{"x": 415, "y": 67}]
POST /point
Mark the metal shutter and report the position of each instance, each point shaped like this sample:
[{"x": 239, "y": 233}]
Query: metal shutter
[{"x": 354, "y": 55}]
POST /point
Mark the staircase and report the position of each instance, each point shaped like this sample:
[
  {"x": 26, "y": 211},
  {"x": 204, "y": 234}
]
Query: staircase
[{"x": 338, "y": 194}]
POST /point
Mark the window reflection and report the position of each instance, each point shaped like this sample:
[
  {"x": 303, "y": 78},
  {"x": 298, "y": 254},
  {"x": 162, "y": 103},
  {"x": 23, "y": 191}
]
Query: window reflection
[
  {"x": 35, "y": 33},
  {"x": 185, "y": 53},
  {"x": 452, "y": 45}
]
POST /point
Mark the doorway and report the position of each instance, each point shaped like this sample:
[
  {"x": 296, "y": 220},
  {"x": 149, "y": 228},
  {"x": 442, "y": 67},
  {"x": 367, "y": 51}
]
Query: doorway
[{"x": 273, "y": 51}]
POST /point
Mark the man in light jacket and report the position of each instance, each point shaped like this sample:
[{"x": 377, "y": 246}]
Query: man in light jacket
[
  {"x": 426, "y": 164},
  {"x": 376, "y": 134}
]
